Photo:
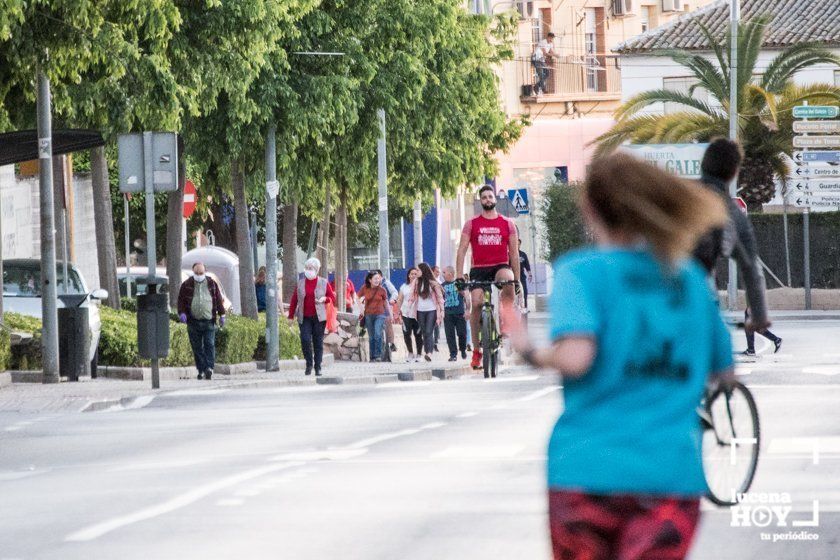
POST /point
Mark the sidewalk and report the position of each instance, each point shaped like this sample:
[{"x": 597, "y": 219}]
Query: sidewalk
[{"x": 90, "y": 395}]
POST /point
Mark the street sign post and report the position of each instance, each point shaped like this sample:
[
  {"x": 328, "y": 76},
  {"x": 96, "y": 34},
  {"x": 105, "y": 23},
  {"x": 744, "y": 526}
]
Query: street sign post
[
  {"x": 817, "y": 171},
  {"x": 189, "y": 199},
  {"x": 519, "y": 199},
  {"x": 816, "y": 127},
  {"x": 817, "y": 186},
  {"x": 816, "y": 200},
  {"x": 816, "y": 141},
  {"x": 148, "y": 163},
  {"x": 815, "y": 112},
  {"x": 808, "y": 157}
]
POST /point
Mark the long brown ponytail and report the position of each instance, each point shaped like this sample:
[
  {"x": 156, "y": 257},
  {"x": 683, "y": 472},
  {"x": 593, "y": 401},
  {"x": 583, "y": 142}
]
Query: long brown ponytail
[{"x": 634, "y": 197}]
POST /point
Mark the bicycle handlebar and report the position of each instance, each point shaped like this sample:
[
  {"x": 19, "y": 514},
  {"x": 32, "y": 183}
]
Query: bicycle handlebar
[{"x": 461, "y": 284}]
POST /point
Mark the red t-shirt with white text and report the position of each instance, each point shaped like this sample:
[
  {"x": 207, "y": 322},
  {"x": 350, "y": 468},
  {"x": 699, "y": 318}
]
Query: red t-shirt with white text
[{"x": 489, "y": 240}]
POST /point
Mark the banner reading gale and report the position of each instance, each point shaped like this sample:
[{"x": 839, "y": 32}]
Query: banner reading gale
[{"x": 682, "y": 160}]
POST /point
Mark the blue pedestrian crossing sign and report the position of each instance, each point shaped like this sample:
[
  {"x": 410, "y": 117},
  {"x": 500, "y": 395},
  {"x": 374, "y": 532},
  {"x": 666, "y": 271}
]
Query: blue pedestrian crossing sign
[{"x": 519, "y": 199}]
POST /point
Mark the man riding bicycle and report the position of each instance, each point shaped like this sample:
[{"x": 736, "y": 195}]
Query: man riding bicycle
[{"x": 495, "y": 258}]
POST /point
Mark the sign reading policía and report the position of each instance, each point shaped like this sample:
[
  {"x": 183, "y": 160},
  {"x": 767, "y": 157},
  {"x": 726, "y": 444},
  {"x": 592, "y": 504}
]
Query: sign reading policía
[{"x": 682, "y": 160}]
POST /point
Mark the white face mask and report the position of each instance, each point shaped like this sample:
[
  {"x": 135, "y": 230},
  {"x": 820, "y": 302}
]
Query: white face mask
[
  {"x": 310, "y": 274},
  {"x": 199, "y": 277}
]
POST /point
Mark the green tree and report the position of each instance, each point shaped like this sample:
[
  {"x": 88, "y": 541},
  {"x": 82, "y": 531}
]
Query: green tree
[{"x": 765, "y": 103}]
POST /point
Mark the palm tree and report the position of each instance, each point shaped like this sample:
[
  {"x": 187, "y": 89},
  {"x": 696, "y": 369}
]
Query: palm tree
[{"x": 765, "y": 106}]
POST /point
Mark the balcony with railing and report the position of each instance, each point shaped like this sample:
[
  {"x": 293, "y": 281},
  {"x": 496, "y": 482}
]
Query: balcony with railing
[{"x": 572, "y": 78}]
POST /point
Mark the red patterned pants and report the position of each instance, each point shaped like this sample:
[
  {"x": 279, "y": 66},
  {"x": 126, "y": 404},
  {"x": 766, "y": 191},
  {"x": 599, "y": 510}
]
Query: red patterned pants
[{"x": 620, "y": 527}]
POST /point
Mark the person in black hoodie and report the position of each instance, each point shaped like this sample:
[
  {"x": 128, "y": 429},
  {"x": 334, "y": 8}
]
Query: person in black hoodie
[{"x": 719, "y": 167}]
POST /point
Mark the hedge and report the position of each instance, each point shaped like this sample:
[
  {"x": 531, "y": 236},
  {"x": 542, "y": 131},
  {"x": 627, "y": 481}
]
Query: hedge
[
  {"x": 28, "y": 356},
  {"x": 5, "y": 350},
  {"x": 560, "y": 216},
  {"x": 118, "y": 342},
  {"x": 289, "y": 340},
  {"x": 241, "y": 340},
  {"x": 825, "y": 251}
]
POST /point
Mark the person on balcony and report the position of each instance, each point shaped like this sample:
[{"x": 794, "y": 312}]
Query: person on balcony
[{"x": 544, "y": 54}]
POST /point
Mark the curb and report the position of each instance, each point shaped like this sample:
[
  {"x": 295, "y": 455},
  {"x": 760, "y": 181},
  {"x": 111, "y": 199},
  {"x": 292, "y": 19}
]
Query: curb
[
  {"x": 5, "y": 379},
  {"x": 360, "y": 380}
]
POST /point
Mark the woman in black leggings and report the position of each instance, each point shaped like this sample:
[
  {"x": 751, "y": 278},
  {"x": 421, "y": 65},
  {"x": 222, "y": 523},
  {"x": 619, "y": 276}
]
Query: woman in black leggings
[
  {"x": 426, "y": 304},
  {"x": 410, "y": 326}
]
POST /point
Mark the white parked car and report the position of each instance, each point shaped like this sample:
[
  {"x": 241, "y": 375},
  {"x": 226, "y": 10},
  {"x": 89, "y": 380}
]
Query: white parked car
[{"x": 22, "y": 294}]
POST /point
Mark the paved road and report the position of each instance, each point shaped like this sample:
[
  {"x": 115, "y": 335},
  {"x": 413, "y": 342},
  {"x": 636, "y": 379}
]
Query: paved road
[{"x": 448, "y": 470}]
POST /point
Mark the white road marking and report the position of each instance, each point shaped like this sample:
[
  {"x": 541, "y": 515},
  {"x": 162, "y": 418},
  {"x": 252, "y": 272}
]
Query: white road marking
[
  {"x": 182, "y": 500},
  {"x": 321, "y": 455},
  {"x": 811, "y": 445},
  {"x": 537, "y": 394},
  {"x": 195, "y": 392},
  {"x": 822, "y": 370},
  {"x": 248, "y": 492},
  {"x": 467, "y": 414},
  {"x": 393, "y": 435},
  {"x": 742, "y": 371},
  {"x": 139, "y": 402},
  {"x": 408, "y": 385},
  {"x": 819, "y": 386},
  {"x": 229, "y": 502},
  {"x": 157, "y": 466},
  {"x": 477, "y": 452},
  {"x": 511, "y": 379}
]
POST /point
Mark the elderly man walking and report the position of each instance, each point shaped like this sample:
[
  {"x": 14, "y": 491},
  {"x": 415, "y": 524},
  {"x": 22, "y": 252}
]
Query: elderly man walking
[
  {"x": 200, "y": 303},
  {"x": 309, "y": 307}
]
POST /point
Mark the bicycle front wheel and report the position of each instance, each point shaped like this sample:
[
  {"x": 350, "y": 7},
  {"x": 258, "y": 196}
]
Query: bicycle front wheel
[
  {"x": 487, "y": 328},
  {"x": 731, "y": 443}
]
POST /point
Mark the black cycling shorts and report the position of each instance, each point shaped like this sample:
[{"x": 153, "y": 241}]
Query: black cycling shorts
[{"x": 486, "y": 273}]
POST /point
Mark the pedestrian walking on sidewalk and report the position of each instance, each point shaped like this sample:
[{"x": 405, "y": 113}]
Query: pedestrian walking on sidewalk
[
  {"x": 200, "y": 304},
  {"x": 259, "y": 288},
  {"x": 393, "y": 293},
  {"x": 410, "y": 326},
  {"x": 455, "y": 308},
  {"x": 750, "y": 334},
  {"x": 375, "y": 300},
  {"x": 625, "y": 471},
  {"x": 309, "y": 308},
  {"x": 426, "y": 305}
]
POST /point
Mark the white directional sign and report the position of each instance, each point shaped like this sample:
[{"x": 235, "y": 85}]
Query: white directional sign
[
  {"x": 817, "y": 186},
  {"x": 816, "y": 200},
  {"x": 814, "y": 171},
  {"x": 818, "y": 127},
  {"x": 816, "y": 141}
]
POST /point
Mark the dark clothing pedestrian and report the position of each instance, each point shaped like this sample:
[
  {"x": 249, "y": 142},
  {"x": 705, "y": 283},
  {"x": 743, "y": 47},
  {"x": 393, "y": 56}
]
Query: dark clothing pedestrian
[
  {"x": 524, "y": 266},
  {"x": 202, "y": 334},
  {"x": 312, "y": 342},
  {"x": 309, "y": 306},
  {"x": 735, "y": 240},
  {"x": 187, "y": 292},
  {"x": 455, "y": 326},
  {"x": 777, "y": 342},
  {"x": 454, "y": 323},
  {"x": 200, "y": 303},
  {"x": 411, "y": 328},
  {"x": 260, "y": 289},
  {"x": 428, "y": 322}
]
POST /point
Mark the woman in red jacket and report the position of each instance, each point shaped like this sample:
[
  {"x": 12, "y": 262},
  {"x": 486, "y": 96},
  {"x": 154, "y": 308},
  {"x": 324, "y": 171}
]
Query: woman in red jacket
[{"x": 309, "y": 307}]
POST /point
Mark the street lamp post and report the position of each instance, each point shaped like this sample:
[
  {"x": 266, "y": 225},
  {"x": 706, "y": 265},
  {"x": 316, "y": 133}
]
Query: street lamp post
[{"x": 734, "y": 16}]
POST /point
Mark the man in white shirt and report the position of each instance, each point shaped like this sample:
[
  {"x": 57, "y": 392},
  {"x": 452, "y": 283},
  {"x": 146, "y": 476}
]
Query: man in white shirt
[{"x": 543, "y": 56}]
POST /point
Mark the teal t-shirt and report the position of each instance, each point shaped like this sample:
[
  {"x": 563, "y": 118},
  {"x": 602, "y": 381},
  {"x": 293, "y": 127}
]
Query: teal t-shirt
[{"x": 629, "y": 424}]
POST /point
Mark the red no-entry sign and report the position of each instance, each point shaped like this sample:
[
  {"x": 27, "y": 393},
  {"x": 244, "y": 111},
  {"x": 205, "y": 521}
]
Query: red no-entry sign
[{"x": 189, "y": 199}]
